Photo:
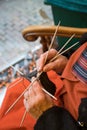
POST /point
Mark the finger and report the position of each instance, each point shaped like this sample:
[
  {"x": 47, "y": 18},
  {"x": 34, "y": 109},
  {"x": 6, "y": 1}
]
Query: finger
[
  {"x": 40, "y": 62},
  {"x": 32, "y": 90},
  {"x": 51, "y": 53},
  {"x": 32, "y": 79},
  {"x": 26, "y": 104},
  {"x": 50, "y": 66},
  {"x": 36, "y": 87},
  {"x": 26, "y": 94}
]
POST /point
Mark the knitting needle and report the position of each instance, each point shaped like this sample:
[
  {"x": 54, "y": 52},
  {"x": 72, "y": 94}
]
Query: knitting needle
[
  {"x": 24, "y": 115},
  {"x": 52, "y": 41},
  {"x": 58, "y": 54},
  {"x": 66, "y": 43}
]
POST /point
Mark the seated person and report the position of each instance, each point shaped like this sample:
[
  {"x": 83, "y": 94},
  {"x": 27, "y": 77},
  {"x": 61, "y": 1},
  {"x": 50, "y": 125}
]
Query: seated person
[
  {"x": 70, "y": 111},
  {"x": 11, "y": 120}
]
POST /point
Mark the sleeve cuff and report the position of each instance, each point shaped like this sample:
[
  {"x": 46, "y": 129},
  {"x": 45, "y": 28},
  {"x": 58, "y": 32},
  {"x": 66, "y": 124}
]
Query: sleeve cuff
[{"x": 56, "y": 118}]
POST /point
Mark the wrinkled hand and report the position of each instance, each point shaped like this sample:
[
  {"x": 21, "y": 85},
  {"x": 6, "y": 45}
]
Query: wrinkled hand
[
  {"x": 36, "y": 101},
  {"x": 58, "y": 65}
]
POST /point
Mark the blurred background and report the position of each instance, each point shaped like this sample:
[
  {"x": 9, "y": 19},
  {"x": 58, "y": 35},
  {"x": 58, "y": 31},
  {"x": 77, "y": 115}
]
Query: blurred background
[{"x": 15, "y": 15}]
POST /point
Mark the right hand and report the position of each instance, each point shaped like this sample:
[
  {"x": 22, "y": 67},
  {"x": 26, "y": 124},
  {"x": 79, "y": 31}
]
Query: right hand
[
  {"x": 57, "y": 65},
  {"x": 36, "y": 101}
]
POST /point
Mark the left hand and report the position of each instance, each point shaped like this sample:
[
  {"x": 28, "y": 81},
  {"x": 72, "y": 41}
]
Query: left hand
[
  {"x": 36, "y": 101},
  {"x": 57, "y": 65}
]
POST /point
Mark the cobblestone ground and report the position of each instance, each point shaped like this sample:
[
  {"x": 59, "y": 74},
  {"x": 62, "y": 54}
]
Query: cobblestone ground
[{"x": 15, "y": 15}]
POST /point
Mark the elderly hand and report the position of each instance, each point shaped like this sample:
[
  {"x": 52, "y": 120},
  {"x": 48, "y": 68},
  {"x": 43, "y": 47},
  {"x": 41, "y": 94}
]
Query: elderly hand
[
  {"x": 58, "y": 65},
  {"x": 36, "y": 101}
]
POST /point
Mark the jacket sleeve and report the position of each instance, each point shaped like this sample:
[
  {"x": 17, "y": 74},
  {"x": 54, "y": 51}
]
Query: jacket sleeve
[{"x": 56, "y": 118}]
